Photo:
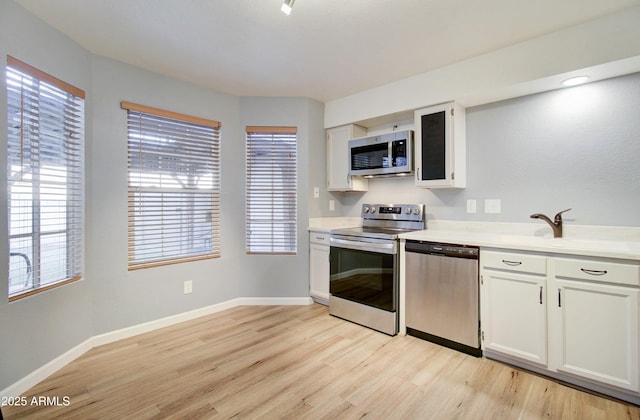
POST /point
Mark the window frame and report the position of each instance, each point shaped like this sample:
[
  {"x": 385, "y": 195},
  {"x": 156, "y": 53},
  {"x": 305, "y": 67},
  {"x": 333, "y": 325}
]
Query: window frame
[
  {"x": 260, "y": 197},
  {"x": 184, "y": 130},
  {"x": 51, "y": 129}
]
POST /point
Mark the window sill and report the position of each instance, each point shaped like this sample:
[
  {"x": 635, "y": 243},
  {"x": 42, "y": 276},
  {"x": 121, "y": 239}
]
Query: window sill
[{"x": 31, "y": 292}]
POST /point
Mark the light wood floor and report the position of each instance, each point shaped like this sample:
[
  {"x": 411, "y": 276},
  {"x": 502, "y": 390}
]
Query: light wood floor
[{"x": 299, "y": 362}]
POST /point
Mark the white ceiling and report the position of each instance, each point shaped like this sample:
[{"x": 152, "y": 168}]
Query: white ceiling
[{"x": 326, "y": 49}]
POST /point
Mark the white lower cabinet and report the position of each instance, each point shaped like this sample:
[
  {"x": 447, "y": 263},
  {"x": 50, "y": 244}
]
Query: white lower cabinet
[
  {"x": 594, "y": 323},
  {"x": 575, "y": 318},
  {"x": 514, "y": 315},
  {"x": 319, "y": 266}
]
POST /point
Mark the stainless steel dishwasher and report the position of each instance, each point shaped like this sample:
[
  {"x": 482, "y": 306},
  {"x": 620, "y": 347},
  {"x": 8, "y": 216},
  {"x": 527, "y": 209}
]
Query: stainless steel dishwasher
[{"x": 442, "y": 294}]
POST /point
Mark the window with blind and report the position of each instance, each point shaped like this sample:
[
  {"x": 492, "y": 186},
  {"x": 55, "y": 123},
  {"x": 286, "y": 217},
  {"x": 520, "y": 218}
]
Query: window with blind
[
  {"x": 271, "y": 219},
  {"x": 174, "y": 187},
  {"x": 45, "y": 180}
]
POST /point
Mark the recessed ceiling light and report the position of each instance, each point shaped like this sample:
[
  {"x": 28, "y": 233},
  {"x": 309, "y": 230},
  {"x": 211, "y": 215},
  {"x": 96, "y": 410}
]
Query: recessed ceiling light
[
  {"x": 287, "y": 6},
  {"x": 574, "y": 81}
]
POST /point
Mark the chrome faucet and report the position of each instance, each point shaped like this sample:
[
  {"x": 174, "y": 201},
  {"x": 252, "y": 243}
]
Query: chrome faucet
[{"x": 556, "y": 224}]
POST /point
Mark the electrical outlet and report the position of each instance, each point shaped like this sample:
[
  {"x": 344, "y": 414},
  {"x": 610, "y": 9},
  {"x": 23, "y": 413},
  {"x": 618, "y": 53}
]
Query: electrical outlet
[
  {"x": 316, "y": 192},
  {"x": 472, "y": 206},
  {"x": 188, "y": 287},
  {"x": 492, "y": 206},
  {"x": 332, "y": 205}
]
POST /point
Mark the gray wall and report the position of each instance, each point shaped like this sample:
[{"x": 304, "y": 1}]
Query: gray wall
[
  {"x": 577, "y": 147},
  {"x": 537, "y": 153},
  {"x": 40, "y": 328},
  {"x": 317, "y": 164},
  {"x": 121, "y": 297},
  {"x": 283, "y": 275}
]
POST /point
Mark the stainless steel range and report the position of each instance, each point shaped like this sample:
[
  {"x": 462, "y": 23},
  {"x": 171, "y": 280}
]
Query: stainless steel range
[{"x": 364, "y": 265}]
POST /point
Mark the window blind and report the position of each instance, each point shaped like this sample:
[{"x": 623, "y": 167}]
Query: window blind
[
  {"x": 271, "y": 191},
  {"x": 45, "y": 188},
  {"x": 174, "y": 187}
]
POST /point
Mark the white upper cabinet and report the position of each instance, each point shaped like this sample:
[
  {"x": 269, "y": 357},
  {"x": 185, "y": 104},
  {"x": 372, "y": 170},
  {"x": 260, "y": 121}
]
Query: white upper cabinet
[
  {"x": 440, "y": 146},
  {"x": 338, "y": 178}
]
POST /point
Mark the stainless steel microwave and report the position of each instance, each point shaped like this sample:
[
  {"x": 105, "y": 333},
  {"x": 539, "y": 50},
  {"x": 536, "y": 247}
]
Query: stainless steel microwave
[{"x": 385, "y": 154}]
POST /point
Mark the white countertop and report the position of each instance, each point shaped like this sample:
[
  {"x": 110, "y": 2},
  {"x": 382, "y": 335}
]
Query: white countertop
[
  {"x": 325, "y": 224},
  {"x": 594, "y": 241}
]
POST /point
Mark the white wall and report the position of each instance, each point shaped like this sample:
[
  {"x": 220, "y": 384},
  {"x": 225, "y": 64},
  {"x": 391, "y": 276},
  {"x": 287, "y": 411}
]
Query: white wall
[
  {"x": 575, "y": 147},
  {"x": 605, "y": 47}
]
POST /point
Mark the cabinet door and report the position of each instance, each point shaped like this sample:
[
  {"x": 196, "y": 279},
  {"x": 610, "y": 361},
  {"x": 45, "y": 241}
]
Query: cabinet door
[
  {"x": 338, "y": 178},
  {"x": 440, "y": 146},
  {"x": 319, "y": 272},
  {"x": 514, "y": 320},
  {"x": 596, "y": 331}
]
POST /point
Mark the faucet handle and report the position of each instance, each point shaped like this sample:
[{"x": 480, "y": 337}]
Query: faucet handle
[{"x": 558, "y": 216}]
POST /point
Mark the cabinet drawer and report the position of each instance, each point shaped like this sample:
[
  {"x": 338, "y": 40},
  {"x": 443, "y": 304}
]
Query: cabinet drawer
[
  {"x": 319, "y": 237},
  {"x": 602, "y": 271},
  {"x": 524, "y": 263}
]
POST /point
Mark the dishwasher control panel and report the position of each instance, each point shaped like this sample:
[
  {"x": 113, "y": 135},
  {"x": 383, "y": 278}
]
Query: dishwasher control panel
[{"x": 449, "y": 250}]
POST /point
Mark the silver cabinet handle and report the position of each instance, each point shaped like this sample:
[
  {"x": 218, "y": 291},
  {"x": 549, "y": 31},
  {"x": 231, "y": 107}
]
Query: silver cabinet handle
[
  {"x": 512, "y": 263},
  {"x": 594, "y": 272}
]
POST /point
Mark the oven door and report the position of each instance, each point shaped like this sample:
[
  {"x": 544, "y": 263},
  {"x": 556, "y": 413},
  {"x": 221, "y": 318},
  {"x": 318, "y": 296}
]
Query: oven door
[{"x": 364, "y": 270}]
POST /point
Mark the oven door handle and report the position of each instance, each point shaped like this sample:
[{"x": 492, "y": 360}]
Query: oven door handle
[{"x": 384, "y": 248}]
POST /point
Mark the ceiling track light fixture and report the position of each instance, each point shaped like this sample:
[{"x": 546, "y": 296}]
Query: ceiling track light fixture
[{"x": 287, "y": 5}]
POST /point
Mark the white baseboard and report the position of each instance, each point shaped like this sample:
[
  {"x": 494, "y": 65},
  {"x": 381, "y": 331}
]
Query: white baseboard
[
  {"x": 47, "y": 370},
  {"x": 112, "y": 336},
  {"x": 59, "y": 362}
]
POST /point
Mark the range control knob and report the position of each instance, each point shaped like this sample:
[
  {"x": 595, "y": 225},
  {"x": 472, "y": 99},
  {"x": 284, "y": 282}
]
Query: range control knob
[
  {"x": 373, "y": 210},
  {"x": 365, "y": 209},
  {"x": 408, "y": 210},
  {"x": 416, "y": 211}
]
